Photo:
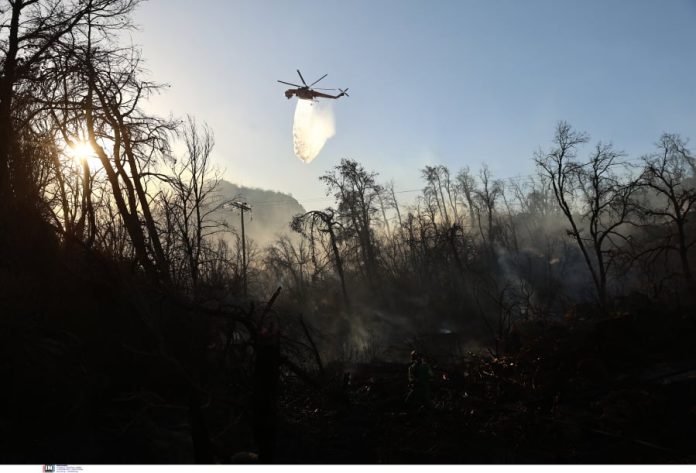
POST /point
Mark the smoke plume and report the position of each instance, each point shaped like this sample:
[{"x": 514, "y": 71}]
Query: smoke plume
[{"x": 313, "y": 126}]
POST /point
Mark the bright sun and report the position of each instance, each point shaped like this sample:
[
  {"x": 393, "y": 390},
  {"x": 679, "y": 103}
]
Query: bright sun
[{"x": 80, "y": 151}]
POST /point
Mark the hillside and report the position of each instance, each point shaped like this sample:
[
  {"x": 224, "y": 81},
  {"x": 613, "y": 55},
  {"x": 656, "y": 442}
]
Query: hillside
[{"x": 270, "y": 215}]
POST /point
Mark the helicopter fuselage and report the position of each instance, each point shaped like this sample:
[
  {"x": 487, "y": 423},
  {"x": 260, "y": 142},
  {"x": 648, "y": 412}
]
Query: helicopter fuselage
[{"x": 305, "y": 93}]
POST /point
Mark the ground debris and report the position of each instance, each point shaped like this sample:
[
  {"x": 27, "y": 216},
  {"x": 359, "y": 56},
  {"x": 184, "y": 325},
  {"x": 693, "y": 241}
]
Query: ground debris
[{"x": 554, "y": 401}]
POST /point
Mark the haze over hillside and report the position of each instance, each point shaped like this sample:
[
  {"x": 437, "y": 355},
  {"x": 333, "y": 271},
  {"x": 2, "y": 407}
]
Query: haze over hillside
[{"x": 270, "y": 216}]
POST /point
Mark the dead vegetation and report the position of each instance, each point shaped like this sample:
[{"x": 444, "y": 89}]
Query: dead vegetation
[{"x": 557, "y": 311}]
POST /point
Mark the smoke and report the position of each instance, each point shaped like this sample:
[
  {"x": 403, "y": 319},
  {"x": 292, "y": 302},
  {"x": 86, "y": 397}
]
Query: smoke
[{"x": 314, "y": 125}]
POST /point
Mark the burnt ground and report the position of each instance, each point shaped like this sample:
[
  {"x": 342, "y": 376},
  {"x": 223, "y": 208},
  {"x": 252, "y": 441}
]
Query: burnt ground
[
  {"x": 629, "y": 397},
  {"x": 490, "y": 421},
  {"x": 618, "y": 390}
]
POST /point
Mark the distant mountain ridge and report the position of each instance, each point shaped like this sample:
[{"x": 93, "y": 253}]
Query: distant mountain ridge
[{"x": 271, "y": 211}]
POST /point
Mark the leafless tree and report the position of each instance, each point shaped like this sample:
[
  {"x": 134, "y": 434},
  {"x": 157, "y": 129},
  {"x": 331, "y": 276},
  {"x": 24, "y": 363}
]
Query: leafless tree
[
  {"x": 31, "y": 33},
  {"x": 356, "y": 193},
  {"x": 673, "y": 198},
  {"x": 323, "y": 222},
  {"x": 434, "y": 177},
  {"x": 487, "y": 196},
  {"x": 290, "y": 262},
  {"x": 191, "y": 204},
  {"x": 605, "y": 205},
  {"x": 114, "y": 121},
  {"x": 466, "y": 183}
]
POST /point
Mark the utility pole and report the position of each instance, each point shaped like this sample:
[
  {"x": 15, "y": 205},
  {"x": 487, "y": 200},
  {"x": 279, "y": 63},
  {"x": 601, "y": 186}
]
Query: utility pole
[{"x": 243, "y": 206}]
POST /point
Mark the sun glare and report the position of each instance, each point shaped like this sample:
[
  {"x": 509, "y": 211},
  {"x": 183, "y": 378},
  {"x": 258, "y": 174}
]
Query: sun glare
[{"x": 81, "y": 151}]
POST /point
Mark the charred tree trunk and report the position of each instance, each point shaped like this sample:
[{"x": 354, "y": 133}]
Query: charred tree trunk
[
  {"x": 160, "y": 258},
  {"x": 339, "y": 264},
  {"x": 130, "y": 219},
  {"x": 7, "y": 82}
]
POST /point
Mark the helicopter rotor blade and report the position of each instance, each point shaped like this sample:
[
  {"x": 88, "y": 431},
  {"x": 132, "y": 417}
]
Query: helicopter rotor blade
[
  {"x": 303, "y": 81},
  {"x": 319, "y": 88},
  {"x": 288, "y": 83},
  {"x": 318, "y": 80}
]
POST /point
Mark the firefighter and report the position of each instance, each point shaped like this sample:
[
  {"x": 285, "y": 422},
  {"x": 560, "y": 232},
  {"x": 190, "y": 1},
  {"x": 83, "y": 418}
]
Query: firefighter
[{"x": 419, "y": 376}]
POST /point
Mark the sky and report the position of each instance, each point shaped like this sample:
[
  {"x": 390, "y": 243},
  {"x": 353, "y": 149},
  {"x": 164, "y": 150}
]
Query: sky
[{"x": 459, "y": 83}]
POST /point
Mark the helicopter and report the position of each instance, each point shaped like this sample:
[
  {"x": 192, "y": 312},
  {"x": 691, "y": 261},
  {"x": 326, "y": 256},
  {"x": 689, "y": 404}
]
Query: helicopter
[{"x": 305, "y": 92}]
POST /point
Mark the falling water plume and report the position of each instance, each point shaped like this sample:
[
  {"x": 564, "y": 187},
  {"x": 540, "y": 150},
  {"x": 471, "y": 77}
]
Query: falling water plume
[{"x": 313, "y": 126}]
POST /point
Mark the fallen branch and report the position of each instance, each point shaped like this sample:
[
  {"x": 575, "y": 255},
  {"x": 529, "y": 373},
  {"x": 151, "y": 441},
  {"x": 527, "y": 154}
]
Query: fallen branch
[{"x": 270, "y": 303}]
